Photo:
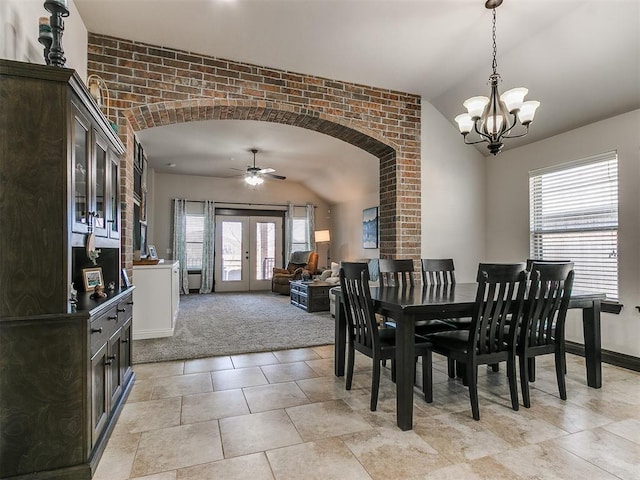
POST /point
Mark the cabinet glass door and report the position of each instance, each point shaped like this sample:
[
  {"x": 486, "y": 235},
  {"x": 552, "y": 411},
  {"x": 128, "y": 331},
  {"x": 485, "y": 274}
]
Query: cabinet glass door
[
  {"x": 80, "y": 173},
  {"x": 113, "y": 207},
  {"x": 97, "y": 218}
]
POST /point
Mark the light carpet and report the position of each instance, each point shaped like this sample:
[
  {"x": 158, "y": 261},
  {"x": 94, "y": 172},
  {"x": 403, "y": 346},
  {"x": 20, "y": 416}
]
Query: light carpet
[{"x": 235, "y": 323}]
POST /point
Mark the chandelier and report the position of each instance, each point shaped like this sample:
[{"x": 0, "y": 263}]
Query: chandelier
[{"x": 494, "y": 118}]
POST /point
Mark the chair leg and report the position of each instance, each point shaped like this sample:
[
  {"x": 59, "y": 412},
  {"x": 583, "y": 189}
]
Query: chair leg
[
  {"x": 532, "y": 369},
  {"x": 513, "y": 382},
  {"x": 393, "y": 371},
  {"x": 524, "y": 380},
  {"x": 427, "y": 377},
  {"x": 560, "y": 372},
  {"x": 472, "y": 377},
  {"x": 451, "y": 368},
  {"x": 375, "y": 384},
  {"x": 350, "y": 361}
]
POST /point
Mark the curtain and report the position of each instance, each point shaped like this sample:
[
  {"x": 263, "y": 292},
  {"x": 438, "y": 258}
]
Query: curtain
[
  {"x": 208, "y": 242},
  {"x": 311, "y": 227},
  {"x": 179, "y": 241},
  {"x": 288, "y": 233}
]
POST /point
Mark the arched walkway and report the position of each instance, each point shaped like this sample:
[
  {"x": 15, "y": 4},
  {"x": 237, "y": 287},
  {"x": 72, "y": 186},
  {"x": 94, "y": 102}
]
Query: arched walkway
[{"x": 160, "y": 114}]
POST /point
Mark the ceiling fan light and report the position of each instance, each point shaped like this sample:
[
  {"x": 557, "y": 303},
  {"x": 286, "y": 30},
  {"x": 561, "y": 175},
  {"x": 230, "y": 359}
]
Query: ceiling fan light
[
  {"x": 513, "y": 98},
  {"x": 475, "y": 106},
  {"x": 253, "y": 180},
  {"x": 465, "y": 122},
  {"x": 528, "y": 111}
]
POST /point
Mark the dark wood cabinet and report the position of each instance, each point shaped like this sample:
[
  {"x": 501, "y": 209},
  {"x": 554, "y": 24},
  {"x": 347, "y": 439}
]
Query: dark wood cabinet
[{"x": 65, "y": 367}]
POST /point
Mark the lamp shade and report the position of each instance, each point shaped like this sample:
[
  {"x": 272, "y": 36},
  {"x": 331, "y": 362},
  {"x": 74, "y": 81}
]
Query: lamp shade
[
  {"x": 465, "y": 122},
  {"x": 475, "y": 105},
  {"x": 528, "y": 111},
  {"x": 322, "y": 236},
  {"x": 513, "y": 98}
]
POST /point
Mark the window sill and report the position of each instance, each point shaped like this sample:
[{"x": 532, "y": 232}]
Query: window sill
[{"x": 608, "y": 306}]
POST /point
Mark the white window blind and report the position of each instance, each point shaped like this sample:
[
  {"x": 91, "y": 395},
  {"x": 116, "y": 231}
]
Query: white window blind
[
  {"x": 300, "y": 240},
  {"x": 574, "y": 216},
  {"x": 194, "y": 235}
]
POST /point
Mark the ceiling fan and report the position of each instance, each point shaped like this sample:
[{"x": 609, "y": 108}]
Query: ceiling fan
[{"x": 254, "y": 175}]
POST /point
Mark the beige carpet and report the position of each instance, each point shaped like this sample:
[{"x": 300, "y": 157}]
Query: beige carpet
[{"x": 234, "y": 323}]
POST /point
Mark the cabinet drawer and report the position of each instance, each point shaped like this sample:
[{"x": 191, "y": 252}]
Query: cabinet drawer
[
  {"x": 102, "y": 328},
  {"x": 125, "y": 310}
]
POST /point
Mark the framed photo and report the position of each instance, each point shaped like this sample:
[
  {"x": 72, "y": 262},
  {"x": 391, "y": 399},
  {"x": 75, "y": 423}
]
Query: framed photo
[
  {"x": 153, "y": 255},
  {"x": 92, "y": 277},
  {"x": 370, "y": 227},
  {"x": 125, "y": 278}
]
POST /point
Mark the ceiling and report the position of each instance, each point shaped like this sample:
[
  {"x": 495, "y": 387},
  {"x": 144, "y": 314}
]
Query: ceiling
[{"x": 579, "y": 58}]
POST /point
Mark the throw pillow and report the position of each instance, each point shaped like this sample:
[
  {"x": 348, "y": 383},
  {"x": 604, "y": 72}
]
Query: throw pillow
[{"x": 335, "y": 269}]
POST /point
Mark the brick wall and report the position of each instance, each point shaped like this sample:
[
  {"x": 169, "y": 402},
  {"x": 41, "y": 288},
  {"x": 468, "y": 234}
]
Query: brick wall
[{"x": 153, "y": 86}]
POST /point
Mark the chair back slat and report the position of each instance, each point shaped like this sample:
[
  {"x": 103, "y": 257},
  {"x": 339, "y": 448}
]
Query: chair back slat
[
  {"x": 358, "y": 306},
  {"x": 547, "y": 303},
  {"x": 438, "y": 271},
  {"x": 396, "y": 273},
  {"x": 498, "y": 308}
]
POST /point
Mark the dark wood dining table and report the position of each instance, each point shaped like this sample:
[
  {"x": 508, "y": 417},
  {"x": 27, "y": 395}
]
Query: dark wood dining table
[{"x": 406, "y": 305}]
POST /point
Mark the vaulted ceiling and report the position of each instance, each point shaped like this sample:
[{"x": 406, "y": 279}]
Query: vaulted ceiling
[{"x": 579, "y": 58}]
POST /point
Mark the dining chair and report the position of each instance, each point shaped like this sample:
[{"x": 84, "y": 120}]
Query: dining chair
[
  {"x": 491, "y": 337},
  {"x": 396, "y": 272},
  {"x": 399, "y": 273},
  {"x": 366, "y": 337},
  {"x": 542, "y": 328}
]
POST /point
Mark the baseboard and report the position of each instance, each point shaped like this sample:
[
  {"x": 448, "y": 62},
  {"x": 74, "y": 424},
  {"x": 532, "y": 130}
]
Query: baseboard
[
  {"x": 613, "y": 358},
  {"x": 156, "y": 333}
]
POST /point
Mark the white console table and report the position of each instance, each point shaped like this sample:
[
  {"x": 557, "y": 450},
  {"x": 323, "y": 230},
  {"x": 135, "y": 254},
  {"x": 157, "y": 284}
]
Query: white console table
[{"x": 156, "y": 299}]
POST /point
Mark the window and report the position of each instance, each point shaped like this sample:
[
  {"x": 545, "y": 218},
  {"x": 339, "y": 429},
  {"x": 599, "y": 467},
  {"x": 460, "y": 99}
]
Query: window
[
  {"x": 574, "y": 216},
  {"x": 194, "y": 235},
  {"x": 300, "y": 231}
]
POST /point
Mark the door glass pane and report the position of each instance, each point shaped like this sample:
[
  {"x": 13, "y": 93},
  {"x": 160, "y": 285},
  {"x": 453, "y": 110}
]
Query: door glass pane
[
  {"x": 80, "y": 174},
  {"x": 265, "y": 250},
  {"x": 231, "y": 251},
  {"x": 101, "y": 165}
]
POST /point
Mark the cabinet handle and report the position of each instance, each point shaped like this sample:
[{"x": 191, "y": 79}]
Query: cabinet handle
[
  {"x": 112, "y": 317},
  {"x": 122, "y": 310},
  {"x": 111, "y": 357},
  {"x": 129, "y": 303},
  {"x": 125, "y": 341},
  {"x": 96, "y": 330}
]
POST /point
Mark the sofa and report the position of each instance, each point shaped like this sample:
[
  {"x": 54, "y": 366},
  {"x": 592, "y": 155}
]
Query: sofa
[
  {"x": 333, "y": 276},
  {"x": 299, "y": 262}
]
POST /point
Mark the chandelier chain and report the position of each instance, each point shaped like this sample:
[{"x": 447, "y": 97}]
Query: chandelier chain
[{"x": 495, "y": 47}]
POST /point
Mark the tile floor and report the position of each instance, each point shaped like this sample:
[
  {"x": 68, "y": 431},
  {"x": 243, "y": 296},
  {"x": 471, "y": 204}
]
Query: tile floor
[{"x": 283, "y": 415}]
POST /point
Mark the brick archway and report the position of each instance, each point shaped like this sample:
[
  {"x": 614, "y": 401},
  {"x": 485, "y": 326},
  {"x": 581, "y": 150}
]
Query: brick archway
[{"x": 155, "y": 86}]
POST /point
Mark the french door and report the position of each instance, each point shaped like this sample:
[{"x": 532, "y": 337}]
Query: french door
[{"x": 246, "y": 250}]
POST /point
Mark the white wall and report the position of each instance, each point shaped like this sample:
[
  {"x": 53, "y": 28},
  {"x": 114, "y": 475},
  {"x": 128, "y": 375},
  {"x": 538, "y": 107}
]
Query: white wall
[
  {"x": 508, "y": 212},
  {"x": 164, "y": 187},
  {"x": 453, "y": 195},
  {"x": 19, "y": 34},
  {"x": 346, "y": 242}
]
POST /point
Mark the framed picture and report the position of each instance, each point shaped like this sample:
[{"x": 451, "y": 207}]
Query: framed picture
[
  {"x": 153, "y": 255},
  {"x": 125, "y": 278},
  {"x": 92, "y": 277},
  {"x": 370, "y": 227}
]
